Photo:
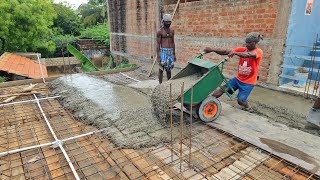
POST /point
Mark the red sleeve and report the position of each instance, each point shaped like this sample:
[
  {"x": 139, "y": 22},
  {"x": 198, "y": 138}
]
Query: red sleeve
[
  {"x": 258, "y": 52},
  {"x": 240, "y": 49}
]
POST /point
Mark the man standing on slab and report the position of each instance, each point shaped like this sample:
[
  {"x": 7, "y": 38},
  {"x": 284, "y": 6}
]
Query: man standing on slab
[{"x": 165, "y": 48}]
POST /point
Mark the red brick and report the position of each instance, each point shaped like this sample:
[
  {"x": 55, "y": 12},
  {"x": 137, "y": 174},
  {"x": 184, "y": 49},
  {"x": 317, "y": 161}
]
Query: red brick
[
  {"x": 260, "y": 11},
  {"x": 199, "y": 19}
]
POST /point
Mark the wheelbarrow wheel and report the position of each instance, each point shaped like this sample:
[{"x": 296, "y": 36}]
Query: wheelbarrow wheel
[{"x": 209, "y": 109}]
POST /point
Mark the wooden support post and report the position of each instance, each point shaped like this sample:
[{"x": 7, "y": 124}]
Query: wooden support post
[
  {"x": 175, "y": 9},
  {"x": 154, "y": 62}
]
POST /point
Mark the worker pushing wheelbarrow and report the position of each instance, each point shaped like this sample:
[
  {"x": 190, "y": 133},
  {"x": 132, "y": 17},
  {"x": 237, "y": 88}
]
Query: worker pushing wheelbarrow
[{"x": 208, "y": 108}]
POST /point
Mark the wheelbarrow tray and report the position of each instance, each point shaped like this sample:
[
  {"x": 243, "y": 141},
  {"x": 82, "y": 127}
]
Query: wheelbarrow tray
[
  {"x": 211, "y": 79},
  {"x": 204, "y": 86}
]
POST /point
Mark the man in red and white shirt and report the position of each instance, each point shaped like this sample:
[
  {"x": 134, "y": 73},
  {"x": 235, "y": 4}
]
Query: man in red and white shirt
[{"x": 248, "y": 67}]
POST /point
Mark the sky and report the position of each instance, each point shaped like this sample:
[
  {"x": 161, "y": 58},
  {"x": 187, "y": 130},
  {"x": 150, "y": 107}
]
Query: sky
[{"x": 75, "y": 3}]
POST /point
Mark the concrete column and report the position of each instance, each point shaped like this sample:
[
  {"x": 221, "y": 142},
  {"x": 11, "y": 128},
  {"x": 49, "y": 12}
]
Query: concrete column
[
  {"x": 279, "y": 39},
  {"x": 110, "y": 36},
  {"x": 159, "y": 4}
]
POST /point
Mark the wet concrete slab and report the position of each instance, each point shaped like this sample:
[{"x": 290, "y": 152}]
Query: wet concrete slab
[
  {"x": 296, "y": 146},
  {"x": 125, "y": 113},
  {"x": 110, "y": 97},
  {"x": 134, "y": 127},
  {"x": 148, "y": 84},
  {"x": 145, "y": 86}
]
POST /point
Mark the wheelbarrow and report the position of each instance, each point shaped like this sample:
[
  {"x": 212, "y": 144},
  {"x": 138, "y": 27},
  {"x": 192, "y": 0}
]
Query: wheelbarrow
[{"x": 207, "y": 108}]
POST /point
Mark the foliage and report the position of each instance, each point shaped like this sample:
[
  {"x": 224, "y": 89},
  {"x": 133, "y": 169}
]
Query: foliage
[
  {"x": 66, "y": 26},
  {"x": 46, "y": 48},
  {"x": 125, "y": 60},
  {"x": 98, "y": 32},
  {"x": 97, "y": 2},
  {"x": 95, "y": 11},
  {"x": 67, "y": 21},
  {"x": 55, "y": 46},
  {"x": 86, "y": 64},
  {"x": 61, "y": 42},
  {"x": 25, "y": 24},
  {"x": 3, "y": 79},
  {"x": 110, "y": 64},
  {"x": 1, "y": 47},
  {"x": 126, "y": 66}
]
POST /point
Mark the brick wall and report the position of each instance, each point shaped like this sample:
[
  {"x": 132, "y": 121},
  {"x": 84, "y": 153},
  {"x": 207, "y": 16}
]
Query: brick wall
[
  {"x": 133, "y": 28},
  {"x": 197, "y": 24},
  {"x": 190, "y": 47},
  {"x": 85, "y": 44},
  {"x": 59, "y": 61},
  {"x": 225, "y": 18}
]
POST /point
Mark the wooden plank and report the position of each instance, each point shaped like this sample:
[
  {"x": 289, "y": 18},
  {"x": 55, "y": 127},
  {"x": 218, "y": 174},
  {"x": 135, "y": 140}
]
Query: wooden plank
[
  {"x": 152, "y": 66},
  {"x": 175, "y": 9}
]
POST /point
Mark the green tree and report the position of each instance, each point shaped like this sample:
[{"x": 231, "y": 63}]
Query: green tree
[
  {"x": 25, "y": 24},
  {"x": 61, "y": 42},
  {"x": 94, "y": 12},
  {"x": 98, "y": 32},
  {"x": 67, "y": 21}
]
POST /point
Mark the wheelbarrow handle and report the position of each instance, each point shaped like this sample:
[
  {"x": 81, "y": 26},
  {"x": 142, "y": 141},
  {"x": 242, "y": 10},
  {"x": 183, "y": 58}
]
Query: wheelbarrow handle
[
  {"x": 201, "y": 55},
  {"x": 223, "y": 61}
]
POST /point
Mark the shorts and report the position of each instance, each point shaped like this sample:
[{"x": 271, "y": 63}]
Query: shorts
[
  {"x": 166, "y": 59},
  {"x": 244, "y": 89}
]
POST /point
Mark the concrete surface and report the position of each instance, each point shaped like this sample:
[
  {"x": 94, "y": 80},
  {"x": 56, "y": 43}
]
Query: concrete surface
[
  {"x": 314, "y": 117},
  {"x": 125, "y": 113},
  {"x": 279, "y": 107},
  {"x": 290, "y": 144}
]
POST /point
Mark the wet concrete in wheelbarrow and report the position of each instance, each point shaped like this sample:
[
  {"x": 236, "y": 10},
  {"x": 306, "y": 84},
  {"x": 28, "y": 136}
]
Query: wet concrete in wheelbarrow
[
  {"x": 160, "y": 97},
  {"x": 126, "y": 113}
]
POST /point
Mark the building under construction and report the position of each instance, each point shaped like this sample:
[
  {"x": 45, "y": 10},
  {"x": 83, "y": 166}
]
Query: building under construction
[
  {"x": 103, "y": 125},
  {"x": 42, "y": 137}
]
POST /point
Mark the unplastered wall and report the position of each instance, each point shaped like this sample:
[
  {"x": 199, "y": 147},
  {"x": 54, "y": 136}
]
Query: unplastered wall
[
  {"x": 198, "y": 24},
  {"x": 224, "y": 23},
  {"x": 60, "y": 61},
  {"x": 133, "y": 28}
]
